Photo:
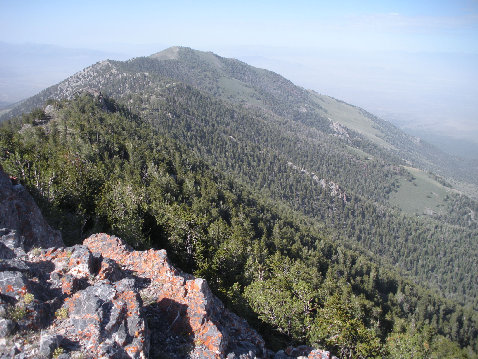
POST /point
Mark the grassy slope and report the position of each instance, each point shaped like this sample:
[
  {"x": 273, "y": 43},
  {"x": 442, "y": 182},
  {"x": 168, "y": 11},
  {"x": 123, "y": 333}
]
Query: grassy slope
[
  {"x": 351, "y": 117},
  {"x": 421, "y": 195}
]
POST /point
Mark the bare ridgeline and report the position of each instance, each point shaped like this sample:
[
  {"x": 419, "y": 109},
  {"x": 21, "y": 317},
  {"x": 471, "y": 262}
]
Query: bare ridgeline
[{"x": 102, "y": 299}]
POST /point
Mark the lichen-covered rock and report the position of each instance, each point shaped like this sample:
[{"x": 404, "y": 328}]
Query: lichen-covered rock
[
  {"x": 181, "y": 308},
  {"x": 13, "y": 284},
  {"x": 304, "y": 351},
  {"x": 105, "y": 320},
  {"x": 64, "y": 305},
  {"x": 105, "y": 300}
]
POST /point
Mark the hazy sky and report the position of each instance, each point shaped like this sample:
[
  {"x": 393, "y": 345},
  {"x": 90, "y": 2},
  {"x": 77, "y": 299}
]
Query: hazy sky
[
  {"x": 365, "y": 25},
  {"x": 414, "y": 62}
]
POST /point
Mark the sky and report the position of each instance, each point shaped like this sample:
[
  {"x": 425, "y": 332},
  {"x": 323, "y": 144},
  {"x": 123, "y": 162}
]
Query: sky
[{"x": 412, "y": 62}]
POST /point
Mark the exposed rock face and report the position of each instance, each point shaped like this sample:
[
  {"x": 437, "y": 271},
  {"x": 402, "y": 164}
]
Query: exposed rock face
[
  {"x": 56, "y": 302},
  {"x": 21, "y": 219},
  {"x": 181, "y": 305},
  {"x": 102, "y": 299},
  {"x": 105, "y": 300}
]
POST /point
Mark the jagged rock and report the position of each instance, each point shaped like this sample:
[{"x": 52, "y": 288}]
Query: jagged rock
[
  {"x": 303, "y": 352},
  {"x": 21, "y": 217},
  {"x": 73, "y": 308},
  {"x": 109, "y": 270},
  {"x": 12, "y": 284},
  {"x": 106, "y": 321},
  {"x": 48, "y": 343},
  {"x": 181, "y": 305},
  {"x": 6, "y": 327}
]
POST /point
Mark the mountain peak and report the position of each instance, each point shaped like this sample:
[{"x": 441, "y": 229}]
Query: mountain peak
[
  {"x": 181, "y": 53},
  {"x": 171, "y": 53}
]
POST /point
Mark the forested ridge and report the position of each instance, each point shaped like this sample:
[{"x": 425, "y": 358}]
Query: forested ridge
[
  {"x": 305, "y": 170},
  {"x": 284, "y": 254}
]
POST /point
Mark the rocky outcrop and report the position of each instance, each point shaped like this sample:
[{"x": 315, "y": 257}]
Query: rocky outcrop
[
  {"x": 102, "y": 299},
  {"x": 21, "y": 219},
  {"x": 55, "y": 301},
  {"x": 329, "y": 186},
  {"x": 180, "y": 305}
]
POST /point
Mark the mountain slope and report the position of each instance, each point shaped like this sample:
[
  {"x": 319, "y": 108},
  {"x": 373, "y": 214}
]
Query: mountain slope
[
  {"x": 304, "y": 150},
  {"x": 95, "y": 166},
  {"x": 240, "y": 83}
]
